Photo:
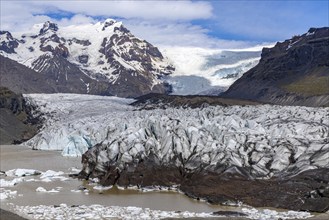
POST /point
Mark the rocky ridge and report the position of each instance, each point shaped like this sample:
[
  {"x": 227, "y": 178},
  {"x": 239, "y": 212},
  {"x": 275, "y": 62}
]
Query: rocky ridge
[
  {"x": 293, "y": 72},
  {"x": 106, "y": 57},
  {"x": 162, "y": 101},
  {"x": 16, "y": 121}
]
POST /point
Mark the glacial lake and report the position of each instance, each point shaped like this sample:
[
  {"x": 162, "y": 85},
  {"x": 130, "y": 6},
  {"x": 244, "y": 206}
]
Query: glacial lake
[
  {"x": 14, "y": 157},
  {"x": 68, "y": 190}
]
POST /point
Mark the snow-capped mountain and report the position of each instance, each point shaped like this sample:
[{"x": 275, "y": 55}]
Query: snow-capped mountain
[
  {"x": 201, "y": 71},
  {"x": 102, "y": 52}
]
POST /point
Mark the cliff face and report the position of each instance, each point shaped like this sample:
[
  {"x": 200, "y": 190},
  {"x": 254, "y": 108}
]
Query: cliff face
[
  {"x": 16, "y": 121},
  {"x": 293, "y": 72}
]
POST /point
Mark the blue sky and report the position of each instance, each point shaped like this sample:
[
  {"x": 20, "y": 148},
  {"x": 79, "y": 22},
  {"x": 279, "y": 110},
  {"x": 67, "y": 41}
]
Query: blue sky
[
  {"x": 180, "y": 23},
  {"x": 265, "y": 20}
]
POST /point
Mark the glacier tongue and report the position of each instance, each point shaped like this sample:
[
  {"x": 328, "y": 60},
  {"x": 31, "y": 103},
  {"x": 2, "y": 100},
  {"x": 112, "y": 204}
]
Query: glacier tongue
[
  {"x": 74, "y": 122},
  {"x": 265, "y": 140}
]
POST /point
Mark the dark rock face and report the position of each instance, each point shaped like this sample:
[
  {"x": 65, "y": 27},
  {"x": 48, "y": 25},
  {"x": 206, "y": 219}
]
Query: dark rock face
[
  {"x": 81, "y": 42},
  {"x": 20, "y": 79},
  {"x": 83, "y": 59},
  {"x": 55, "y": 74},
  {"x": 293, "y": 72},
  {"x": 67, "y": 77},
  {"x": 48, "y": 26},
  {"x": 17, "y": 124},
  {"x": 11, "y": 101}
]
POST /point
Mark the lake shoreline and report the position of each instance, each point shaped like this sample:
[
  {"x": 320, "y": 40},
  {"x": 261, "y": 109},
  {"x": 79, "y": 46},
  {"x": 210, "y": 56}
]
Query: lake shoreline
[{"x": 7, "y": 215}]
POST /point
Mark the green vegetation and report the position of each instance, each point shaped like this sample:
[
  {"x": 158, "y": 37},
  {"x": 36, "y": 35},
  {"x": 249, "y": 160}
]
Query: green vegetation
[
  {"x": 310, "y": 85},
  {"x": 5, "y": 92}
]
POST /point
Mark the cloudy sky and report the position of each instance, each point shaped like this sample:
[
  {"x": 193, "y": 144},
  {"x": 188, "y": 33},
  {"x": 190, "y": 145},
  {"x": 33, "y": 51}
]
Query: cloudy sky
[{"x": 220, "y": 23}]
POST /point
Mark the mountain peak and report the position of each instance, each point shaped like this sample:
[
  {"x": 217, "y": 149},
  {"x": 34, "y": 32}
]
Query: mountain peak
[
  {"x": 109, "y": 22},
  {"x": 48, "y": 26},
  {"x": 7, "y": 42}
]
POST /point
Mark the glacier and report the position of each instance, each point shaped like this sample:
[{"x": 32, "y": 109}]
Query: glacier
[
  {"x": 73, "y": 122},
  {"x": 207, "y": 71},
  {"x": 267, "y": 139}
]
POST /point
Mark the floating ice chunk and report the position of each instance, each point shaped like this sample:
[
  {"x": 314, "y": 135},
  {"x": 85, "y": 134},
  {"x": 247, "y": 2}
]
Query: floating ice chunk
[
  {"x": 53, "y": 191},
  {"x": 51, "y": 175},
  {"x": 22, "y": 172},
  {"x": 7, "y": 194},
  {"x": 102, "y": 188},
  {"x": 3, "y": 196},
  {"x": 74, "y": 170},
  {"x": 41, "y": 189},
  {"x": 10, "y": 183}
]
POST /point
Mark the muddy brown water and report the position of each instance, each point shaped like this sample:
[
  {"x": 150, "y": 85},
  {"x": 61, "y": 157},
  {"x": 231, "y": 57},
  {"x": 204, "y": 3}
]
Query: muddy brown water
[{"x": 13, "y": 157}]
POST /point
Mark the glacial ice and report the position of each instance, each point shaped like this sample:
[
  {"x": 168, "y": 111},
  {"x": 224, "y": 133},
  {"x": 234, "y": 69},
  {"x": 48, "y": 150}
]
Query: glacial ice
[{"x": 266, "y": 139}]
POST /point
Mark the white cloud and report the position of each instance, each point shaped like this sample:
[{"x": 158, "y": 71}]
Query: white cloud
[
  {"x": 180, "y": 34},
  {"x": 159, "y": 22},
  {"x": 168, "y": 10},
  {"x": 76, "y": 19},
  {"x": 151, "y": 10}
]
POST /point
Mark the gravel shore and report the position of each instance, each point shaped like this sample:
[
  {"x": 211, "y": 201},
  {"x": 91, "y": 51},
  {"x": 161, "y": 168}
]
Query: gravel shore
[{"x": 6, "y": 215}]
